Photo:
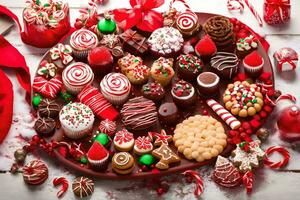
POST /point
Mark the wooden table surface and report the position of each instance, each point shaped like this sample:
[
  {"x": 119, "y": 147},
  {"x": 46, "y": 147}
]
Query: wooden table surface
[{"x": 269, "y": 184}]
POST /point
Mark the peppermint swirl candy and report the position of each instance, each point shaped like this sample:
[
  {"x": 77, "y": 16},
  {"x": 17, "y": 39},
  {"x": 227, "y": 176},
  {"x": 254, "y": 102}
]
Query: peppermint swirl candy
[
  {"x": 121, "y": 158},
  {"x": 78, "y": 74},
  {"x": 30, "y": 15},
  {"x": 187, "y": 21},
  {"x": 115, "y": 84},
  {"x": 59, "y": 15},
  {"x": 107, "y": 126},
  {"x": 83, "y": 39}
]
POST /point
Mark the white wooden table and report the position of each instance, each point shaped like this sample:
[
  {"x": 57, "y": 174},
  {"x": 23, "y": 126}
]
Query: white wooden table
[{"x": 268, "y": 184}]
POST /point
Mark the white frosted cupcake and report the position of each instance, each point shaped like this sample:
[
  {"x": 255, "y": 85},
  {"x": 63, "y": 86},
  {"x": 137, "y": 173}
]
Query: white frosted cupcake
[
  {"x": 82, "y": 41},
  {"x": 116, "y": 88},
  {"x": 76, "y": 120},
  {"x": 76, "y": 76}
]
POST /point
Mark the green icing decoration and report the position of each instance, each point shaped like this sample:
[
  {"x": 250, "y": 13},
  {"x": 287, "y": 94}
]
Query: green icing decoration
[
  {"x": 66, "y": 96},
  {"x": 38, "y": 2},
  {"x": 107, "y": 26},
  {"x": 102, "y": 138},
  {"x": 36, "y": 100},
  {"x": 83, "y": 160},
  {"x": 146, "y": 159}
]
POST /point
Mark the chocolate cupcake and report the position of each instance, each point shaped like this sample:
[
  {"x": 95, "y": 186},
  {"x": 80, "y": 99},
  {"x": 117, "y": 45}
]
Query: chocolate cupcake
[
  {"x": 167, "y": 113},
  {"x": 183, "y": 93},
  {"x": 165, "y": 42},
  {"x": 153, "y": 91},
  {"x": 220, "y": 29},
  {"x": 45, "y": 126},
  {"x": 225, "y": 64},
  {"x": 139, "y": 113},
  {"x": 245, "y": 46},
  {"x": 189, "y": 67},
  {"x": 48, "y": 108},
  {"x": 208, "y": 83}
]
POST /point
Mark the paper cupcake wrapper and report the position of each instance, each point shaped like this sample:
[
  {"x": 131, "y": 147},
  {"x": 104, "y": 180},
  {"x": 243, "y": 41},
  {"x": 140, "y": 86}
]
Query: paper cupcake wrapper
[
  {"x": 81, "y": 54},
  {"x": 99, "y": 164},
  {"x": 116, "y": 100},
  {"x": 77, "y": 134},
  {"x": 251, "y": 69}
]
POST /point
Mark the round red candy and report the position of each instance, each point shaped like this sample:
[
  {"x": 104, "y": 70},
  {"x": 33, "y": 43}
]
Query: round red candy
[{"x": 100, "y": 60}]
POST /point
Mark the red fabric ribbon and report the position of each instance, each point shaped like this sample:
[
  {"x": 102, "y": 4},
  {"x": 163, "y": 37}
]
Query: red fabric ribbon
[
  {"x": 286, "y": 60},
  {"x": 141, "y": 15},
  {"x": 46, "y": 38},
  {"x": 11, "y": 58}
]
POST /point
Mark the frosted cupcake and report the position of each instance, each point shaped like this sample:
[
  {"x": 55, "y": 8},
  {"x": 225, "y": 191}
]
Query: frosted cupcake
[
  {"x": 82, "y": 41},
  {"x": 162, "y": 70},
  {"x": 116, "y": 88},
  {"x": 253, "y": 64},
  {"x": 76, "y": 120},
  {"x": 76, "y": 76},
  {"x": 98, "y": 156}
]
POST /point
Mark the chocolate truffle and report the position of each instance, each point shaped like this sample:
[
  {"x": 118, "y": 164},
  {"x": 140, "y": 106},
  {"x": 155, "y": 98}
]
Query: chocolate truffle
[
  {"x": 225, "y": 64},
  {"x": 208, "y": 83},
  {"x": 167, "y": 113},
  {"x": 83, "y": 187},
  {"x": 48, "y": 108},
  {"x": 45, "y": 126},
  {"x": 189, "y": 67},
  {"x": 153, "y": 91},
  {"x": 139, "y": 113},
  {"x": 183, "y": 93}
]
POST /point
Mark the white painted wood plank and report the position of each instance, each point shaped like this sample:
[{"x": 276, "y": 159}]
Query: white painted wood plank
[{"x": 213, "y": 6}]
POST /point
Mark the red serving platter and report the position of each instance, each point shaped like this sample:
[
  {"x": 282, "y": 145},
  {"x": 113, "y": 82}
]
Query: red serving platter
[{"x": 184, "y": 164}]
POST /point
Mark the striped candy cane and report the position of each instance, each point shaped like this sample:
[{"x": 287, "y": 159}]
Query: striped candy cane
[
  {"x": 198, "y": 180},
  {"x": 239, "y": 5},
  {"x": 275, "y": 165},
  {"x": 188, "y": 9}
]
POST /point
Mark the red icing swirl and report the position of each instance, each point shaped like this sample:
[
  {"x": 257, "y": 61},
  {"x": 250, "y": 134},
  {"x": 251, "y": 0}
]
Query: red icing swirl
[
  {"x": 115, "y": 84},
  {"x": 83, "y": 39},
  {"x": 78, "y": 74}
]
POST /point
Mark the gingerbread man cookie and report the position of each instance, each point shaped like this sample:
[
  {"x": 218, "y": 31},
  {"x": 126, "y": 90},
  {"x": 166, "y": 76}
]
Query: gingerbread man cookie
[
  {"x": 166, "y": 156},
  {"x": 248, "y": 155},
  {"x": 243, "y": 99}
]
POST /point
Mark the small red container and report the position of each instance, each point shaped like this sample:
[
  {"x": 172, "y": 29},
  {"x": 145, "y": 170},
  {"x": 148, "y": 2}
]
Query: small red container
[{"x": 277, "y": 11}]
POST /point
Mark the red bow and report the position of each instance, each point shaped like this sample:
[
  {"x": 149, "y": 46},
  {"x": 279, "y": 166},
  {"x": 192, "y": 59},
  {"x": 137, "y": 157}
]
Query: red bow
[
  {"x": 278, "y": 2},
  {"x": 141, "y": 15}
]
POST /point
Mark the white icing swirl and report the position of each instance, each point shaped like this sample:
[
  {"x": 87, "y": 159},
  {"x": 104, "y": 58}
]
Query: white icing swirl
[
  {"x": 83, "y": 39},
  {"x": 78, "y": 74},
  {"x": 115, "y": 84},
  {"x": 187, "y": 21}
]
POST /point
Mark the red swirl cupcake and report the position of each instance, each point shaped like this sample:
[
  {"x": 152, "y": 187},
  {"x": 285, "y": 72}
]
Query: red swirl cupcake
[
  {"x": 116, "y": 88},
  {"x": 76, "y": 76},
  {"x": 82, "y": 41}
]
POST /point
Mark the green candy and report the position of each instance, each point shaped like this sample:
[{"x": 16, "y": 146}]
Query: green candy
[
  {"x": 102, "y": 138},
  {"x": 66, "y": 96},
  {"x": 36, "y": 100},
  {"x": 146, "y": 159},
  {"x": 107, "y": 25},
  {"x": 83, "y": 160}
]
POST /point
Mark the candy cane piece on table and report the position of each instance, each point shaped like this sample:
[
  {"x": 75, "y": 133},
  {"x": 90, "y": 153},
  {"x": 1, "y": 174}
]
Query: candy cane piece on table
[
  {"x": 198, "y": 180},
  {"x": 276, "y": 165},
  {"x": 226, "y": 116},
  {"x": 239, "y": 5},
  {"x": 61, "y": 181},
  {"x": 248, "y": 181}
]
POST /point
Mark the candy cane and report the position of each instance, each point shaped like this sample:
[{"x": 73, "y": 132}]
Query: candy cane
[
  {"x": 275, "y": 165},
  {"x": 61, "y": 181},
  {"x": 199, "y": 182},
  {"x": 183, "y": 2},
  {"x": 227, "y": 117},
  {"x": 239, "y": 5},
  {"x": 248, "y": 181}
]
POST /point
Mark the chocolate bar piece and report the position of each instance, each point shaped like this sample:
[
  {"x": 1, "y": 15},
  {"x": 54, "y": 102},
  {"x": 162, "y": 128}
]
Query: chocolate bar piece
[{"x": 134, "y": 42}]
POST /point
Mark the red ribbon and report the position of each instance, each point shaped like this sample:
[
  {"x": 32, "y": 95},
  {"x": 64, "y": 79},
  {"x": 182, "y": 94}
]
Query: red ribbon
[
  {"x": 141, "y": 15},
  {"x": 275, "y": 165},
  {"x": 286, "y": 60}
]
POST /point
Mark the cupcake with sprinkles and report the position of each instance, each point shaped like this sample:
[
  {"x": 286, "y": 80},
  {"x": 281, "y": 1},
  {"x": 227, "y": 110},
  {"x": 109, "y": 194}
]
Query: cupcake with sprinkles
[
  {"x": 138, "y": 74},
  {"x": 76, "y": 120},
  {"x": 76, "y": 76},
  {"x": 82, "y": 41},
  {"x": 165, "y": 42},
  {"x": 189, "y": 67},
  {"x": 116, "y": 88},
  {"x": 162, "y": 70},
  {"x": 183, "y": 93},
  {"x": 153, "y": 91}
]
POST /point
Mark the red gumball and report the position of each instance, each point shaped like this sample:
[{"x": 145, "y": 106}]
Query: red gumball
[
  {"x": 100, "y": 60},
  {"x": 288, "y": 123}
]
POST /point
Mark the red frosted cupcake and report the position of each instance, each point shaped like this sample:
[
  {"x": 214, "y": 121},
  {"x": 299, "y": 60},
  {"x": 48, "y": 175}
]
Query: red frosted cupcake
[
  {"x": 253, "y": 64},
  {"x": 98, "y": 156},
  {"x": 205, "y": 48},
  {"x": 101, "y": 60}
]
